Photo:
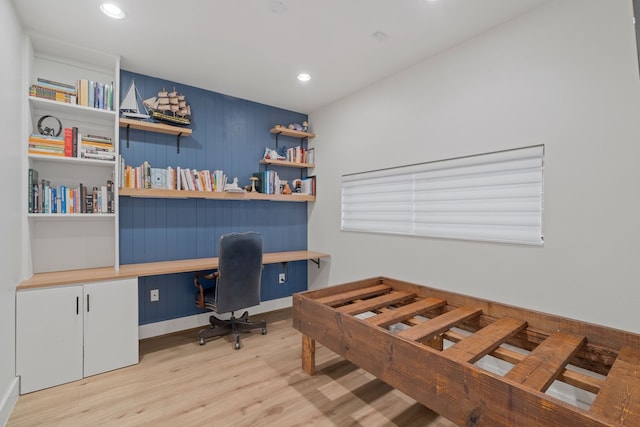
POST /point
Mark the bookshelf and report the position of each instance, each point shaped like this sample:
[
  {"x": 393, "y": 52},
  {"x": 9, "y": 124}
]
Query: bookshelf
[{"x": 69, "y": 241}]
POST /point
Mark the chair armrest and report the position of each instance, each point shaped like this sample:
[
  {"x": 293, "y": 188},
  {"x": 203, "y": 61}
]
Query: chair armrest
[{"x": 198, "y": 285}]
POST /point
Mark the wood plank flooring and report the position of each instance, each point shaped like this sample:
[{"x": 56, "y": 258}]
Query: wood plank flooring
[{"x": 180, "y": 383}]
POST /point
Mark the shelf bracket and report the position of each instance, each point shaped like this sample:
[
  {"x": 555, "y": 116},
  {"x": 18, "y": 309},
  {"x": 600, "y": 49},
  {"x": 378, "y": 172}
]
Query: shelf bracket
[
  {"x": 316, "y": 261},
  {"x": 128, "y": 126},
  {"x": 277, "y": 135},
  {"x": 178, "y": 143}
]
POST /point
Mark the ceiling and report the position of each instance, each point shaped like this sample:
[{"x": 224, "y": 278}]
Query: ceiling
[{"x": 253, "y": 49}]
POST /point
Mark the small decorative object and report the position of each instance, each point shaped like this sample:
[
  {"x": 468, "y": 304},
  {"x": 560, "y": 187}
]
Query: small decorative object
[
  {"x": 253, "y": 183},
  {"x": 270, "y": 154},
  {"x": 291, "y": 126},
  {"x": 233, "y": 187},
  {"x": 297, "y": 184},
  {"x": 285, "y": 188},
  {"x": 49, "y": 131},
  {"x": 296, "y": 126},
  {"x": 305, "y": 126},
  {"x": 170, "y": 107}
]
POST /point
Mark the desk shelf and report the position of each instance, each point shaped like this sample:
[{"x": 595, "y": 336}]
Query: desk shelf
[{"x": 183, "y": 194}]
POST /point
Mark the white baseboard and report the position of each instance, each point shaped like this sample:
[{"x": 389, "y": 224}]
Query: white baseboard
[
  {"x": 198, "y": 320},
  {"x": 8, "y": 401}
]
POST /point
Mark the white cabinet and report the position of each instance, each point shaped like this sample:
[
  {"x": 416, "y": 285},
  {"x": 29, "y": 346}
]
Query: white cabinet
[{"x": 65, "y": 333}]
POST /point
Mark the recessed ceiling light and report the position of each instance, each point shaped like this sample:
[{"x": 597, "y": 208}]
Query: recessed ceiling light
[
  {"x": 304, "y": 77},
  {"x": 112, "y": 11}
]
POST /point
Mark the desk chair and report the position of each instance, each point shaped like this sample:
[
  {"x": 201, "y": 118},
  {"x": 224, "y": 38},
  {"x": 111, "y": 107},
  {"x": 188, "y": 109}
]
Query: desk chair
[{"x": 237, "y": 286}]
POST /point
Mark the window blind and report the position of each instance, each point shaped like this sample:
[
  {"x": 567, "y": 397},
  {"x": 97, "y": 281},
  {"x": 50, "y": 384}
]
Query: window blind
[{"x": 494, "y": 197}]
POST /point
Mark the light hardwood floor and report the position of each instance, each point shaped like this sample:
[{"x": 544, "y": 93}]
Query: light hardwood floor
[{"x": 180, "y": 383}]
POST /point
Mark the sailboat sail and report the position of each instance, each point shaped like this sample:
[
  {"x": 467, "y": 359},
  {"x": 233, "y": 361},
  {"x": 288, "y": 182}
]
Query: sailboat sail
[{"x": 129, "y": 105}]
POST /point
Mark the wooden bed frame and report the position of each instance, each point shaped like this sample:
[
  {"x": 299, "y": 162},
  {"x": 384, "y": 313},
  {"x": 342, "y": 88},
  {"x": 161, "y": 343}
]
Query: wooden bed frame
[{"x": 425, "y": 342}]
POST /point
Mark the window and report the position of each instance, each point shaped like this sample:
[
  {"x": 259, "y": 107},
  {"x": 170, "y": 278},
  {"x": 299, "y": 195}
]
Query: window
[{"x": 493, "y": 197}]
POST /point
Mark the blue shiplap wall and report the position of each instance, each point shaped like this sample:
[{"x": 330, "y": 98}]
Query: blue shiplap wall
[{"x": 228, "y": 134}]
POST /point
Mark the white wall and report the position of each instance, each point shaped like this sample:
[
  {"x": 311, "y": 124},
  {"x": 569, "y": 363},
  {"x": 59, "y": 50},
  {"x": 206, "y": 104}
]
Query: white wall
[
  {"x": 11, "y": 176},
  {"x": 564, "y": 75}
]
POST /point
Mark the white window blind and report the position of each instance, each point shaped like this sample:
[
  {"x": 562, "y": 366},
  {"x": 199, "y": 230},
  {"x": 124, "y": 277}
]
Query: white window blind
[{"x": 494, "y": 197}]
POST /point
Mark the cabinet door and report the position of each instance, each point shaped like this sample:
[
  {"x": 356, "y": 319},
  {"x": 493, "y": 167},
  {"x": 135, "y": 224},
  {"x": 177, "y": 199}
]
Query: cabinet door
[
  {"x": 110, "y": 326},
  {"x": 48, "y": 337}
]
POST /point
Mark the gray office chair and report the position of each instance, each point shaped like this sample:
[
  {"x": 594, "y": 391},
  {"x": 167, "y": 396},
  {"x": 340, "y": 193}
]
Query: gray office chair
[{"x": 237, "y": 286}]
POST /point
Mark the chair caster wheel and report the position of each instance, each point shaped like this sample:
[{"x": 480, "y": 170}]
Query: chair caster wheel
[
  {"x": 201, "y": 341},
  {"x": 237, "y": 346},
  {"x": 264, "y": 331}
]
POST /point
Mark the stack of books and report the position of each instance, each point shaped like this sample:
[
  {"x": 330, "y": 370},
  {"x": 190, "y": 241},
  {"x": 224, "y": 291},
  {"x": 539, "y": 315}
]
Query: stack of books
[
  {"x": 46, "y": 145},
  {"x": 57, "y": 91},
  {"x": 96, "y": 147}
]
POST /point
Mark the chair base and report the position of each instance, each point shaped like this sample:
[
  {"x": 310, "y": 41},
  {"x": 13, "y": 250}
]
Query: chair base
[{"x": 234, "y": 325}]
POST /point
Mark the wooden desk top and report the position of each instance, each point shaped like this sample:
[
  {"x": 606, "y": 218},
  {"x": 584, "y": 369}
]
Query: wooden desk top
[{"x": 41, "y": 280}]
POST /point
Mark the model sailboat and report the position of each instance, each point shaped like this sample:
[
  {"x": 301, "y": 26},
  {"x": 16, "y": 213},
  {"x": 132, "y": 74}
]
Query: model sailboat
[
  {"x": 129, "y": 105},
  {"x": 169, "y": 107}
]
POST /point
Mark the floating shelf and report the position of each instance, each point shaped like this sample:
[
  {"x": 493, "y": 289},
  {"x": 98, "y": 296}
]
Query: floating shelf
[
  {"x": 293, "y": 133},
  {"x": 184, "y": 194},
  {"x": 286, "y": 164},
  {"x": 155, "y": 127}
]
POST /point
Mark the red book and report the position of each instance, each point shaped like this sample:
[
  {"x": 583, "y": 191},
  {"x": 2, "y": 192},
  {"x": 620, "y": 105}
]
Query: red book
[{"x": 68, "y": 142}]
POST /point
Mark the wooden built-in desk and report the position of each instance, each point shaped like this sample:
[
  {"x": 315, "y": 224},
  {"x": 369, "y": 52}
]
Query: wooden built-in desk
[{"x": 41, "y": 280}]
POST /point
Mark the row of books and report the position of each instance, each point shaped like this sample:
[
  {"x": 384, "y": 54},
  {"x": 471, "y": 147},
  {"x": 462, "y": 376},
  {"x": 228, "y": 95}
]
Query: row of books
[
  {"x": 73, "y": 144},
  {"x": 46, "y": 198},
  {"x": 169, "y": 178},
  {"x": 300, "y": 154},
  {"x": 86, "y": 92}
]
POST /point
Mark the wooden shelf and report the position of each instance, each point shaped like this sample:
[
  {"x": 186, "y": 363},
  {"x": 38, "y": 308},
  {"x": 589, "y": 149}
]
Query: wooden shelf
[
  {"x": 286, "y": 164},
  {"x": 154, "y": 127},
  {"x": 183, "y": 194},
  {"x": 293, "y": 133}
]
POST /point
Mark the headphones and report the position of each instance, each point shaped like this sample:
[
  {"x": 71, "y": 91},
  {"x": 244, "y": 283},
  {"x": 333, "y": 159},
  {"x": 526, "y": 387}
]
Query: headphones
[{"x": 47, "y": 130}]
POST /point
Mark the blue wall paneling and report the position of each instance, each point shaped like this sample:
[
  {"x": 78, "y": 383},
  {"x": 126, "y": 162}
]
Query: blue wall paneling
[{"x": 229, "y": 134}]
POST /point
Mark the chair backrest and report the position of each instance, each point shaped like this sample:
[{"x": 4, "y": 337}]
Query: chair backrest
[{"x": 240, "y": 269}]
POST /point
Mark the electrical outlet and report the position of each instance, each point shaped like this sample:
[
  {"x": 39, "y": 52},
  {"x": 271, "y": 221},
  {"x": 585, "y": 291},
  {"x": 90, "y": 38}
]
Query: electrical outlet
[
  {"x": 282, "y": 278},
  {"x": 155, "y": 295}
]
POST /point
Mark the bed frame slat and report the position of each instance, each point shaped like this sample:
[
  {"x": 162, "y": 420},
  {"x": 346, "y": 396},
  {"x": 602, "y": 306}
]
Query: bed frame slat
[
  {"x": 619, "y": 397},
  {"x": 430, "y": 328},
  {"x": 345, "y": 297},
  {"x": 363, "y": 306},
  {"x": 406, "y": 312},
  {"x": 546, "y": 361},
  {"x": 476, "y": 346}
]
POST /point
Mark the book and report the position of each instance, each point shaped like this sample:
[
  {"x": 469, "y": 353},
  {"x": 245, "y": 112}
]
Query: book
[
  {"x": 158, "y": 178},
  {"x": 68, "y": 142},
  {"x": 110, "y": 197},
  {"x": 54, "y": 83},
  {"x": 74, "y": 142},
  {"x": 31, "y": 191}
]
